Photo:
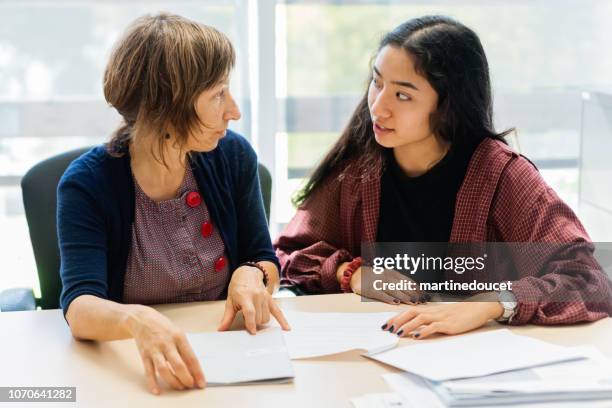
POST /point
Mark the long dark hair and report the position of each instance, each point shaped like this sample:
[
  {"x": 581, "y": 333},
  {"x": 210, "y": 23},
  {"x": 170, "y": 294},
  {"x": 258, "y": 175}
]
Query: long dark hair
[{"x": 450, "y": 56}]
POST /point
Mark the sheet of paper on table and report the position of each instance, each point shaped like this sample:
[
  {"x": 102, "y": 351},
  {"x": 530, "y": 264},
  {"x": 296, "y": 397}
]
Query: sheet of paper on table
[
  {"x": 239, "y": 358},
  {"x": 320, "y": 334},
  {"x": 474, "y": 355},
  {"x": 264, "y": 357}
]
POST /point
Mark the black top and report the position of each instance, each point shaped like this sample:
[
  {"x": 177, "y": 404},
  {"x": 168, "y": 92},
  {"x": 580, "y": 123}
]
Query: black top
[{"x": 421, "y": 209}]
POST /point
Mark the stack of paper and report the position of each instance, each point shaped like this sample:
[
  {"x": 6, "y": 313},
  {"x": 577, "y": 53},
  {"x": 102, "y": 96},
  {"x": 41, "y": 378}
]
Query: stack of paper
[
  {"x": 237, "y": 357},
  {"x": 581, "y": 380},
  {"x": 498, "y": 368}
]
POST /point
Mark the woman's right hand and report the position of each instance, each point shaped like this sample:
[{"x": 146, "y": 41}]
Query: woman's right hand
[
  {"x": 164, "y": 350},
  {"x": 393, "y": 297}
]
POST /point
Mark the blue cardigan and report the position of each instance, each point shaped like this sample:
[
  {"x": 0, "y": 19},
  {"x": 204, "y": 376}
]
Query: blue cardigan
[{"x": 95, "y": 212}]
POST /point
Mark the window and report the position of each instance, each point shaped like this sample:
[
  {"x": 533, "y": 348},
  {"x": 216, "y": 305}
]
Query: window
[
  {"x": 542, "y": 55},
  {"x": 301, "y": 68},
  {"x": 52, "y": 58}
]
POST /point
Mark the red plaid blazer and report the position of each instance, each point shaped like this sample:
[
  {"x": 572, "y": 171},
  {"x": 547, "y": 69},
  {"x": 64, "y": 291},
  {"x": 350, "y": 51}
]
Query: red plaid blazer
[{"x": 503, "y": 198}]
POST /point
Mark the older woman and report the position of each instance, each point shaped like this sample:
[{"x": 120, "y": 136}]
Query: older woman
[{"x": 170, "y": 210}]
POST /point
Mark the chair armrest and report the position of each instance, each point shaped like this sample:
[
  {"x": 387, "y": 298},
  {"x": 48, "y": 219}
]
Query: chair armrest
[{"x": 17, "y": 299}]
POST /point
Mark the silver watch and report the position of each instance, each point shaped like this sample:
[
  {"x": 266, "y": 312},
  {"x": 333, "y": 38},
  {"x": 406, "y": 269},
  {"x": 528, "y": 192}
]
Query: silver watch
[{"x": 509, "y": 303}]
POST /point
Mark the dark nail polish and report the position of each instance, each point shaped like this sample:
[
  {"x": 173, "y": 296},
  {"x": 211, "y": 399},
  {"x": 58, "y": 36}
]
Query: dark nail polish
[
  {"x": 384, "y": 326},
  {"x": 399, "y": 333},
  {"x": 391, "y": 329},
  {"x": 416, "y": 335}
]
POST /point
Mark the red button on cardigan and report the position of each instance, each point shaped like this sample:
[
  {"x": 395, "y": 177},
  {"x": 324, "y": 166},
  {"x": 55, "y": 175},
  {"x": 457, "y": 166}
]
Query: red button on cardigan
[
  {"x": 207, "y": 229},
  {"x": 220, "y": 264},
  {"x": 193, "y": 199}
]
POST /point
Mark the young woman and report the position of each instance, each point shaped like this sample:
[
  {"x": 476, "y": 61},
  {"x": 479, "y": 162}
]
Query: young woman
[
  {"x": 420, "y": 161},
  {"x": 170, "y": 210}
]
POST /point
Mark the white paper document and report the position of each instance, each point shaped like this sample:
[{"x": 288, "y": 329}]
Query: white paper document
[
  {"x": 239, "y": 358},
  {"x": 320, "y": 334},
  {"x": 546, "y": 386},
  {"x": 416, "y": 393},
  {"x": 415, "y": 390},
  {"x": 475, "y": 355},
  {"x": 579, "y": 380}
]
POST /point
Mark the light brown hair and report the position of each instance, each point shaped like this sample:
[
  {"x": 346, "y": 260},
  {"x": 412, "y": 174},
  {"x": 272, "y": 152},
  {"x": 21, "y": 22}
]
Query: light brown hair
[{"x": 156, "y": 72}]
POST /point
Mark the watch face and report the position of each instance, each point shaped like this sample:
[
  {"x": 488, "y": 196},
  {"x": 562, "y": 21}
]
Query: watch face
[
  {"x": 508, "y": 305},
  {"x": 506, "y": 296},
  {"x": 507, "y": 299}
]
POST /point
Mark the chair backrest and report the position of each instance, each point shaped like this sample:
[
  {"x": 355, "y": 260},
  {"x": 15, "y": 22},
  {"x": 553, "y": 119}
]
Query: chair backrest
[
  {"x": 265, "y": 181},
  {"x": 39, "y": 189}
]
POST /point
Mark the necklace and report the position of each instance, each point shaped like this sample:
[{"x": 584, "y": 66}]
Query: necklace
[{"x": 438, "y": 160}]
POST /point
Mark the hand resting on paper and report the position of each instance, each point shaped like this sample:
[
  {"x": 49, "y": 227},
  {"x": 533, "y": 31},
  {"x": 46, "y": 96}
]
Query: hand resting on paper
[
  {"x": 248, "y": 294},
  {"x": 421, "y": 321}
]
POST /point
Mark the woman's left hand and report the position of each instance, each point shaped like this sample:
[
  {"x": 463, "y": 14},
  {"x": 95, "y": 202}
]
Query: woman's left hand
[
  {"x": 247, "y": 293},
  {"x": 421, "y": 321}
]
